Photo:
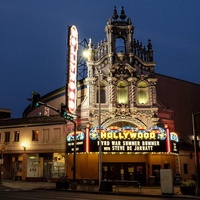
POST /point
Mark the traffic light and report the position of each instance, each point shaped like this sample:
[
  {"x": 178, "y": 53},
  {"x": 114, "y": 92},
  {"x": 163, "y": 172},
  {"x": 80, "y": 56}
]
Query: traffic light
[
  {"x": 63, "y": 110},
  {"x": 35, "y": 99},
  {"x": 64, "y": 114}
]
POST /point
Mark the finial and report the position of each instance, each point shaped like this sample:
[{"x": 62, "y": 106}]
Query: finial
[
  {"x": 90, "y": 43},
  {"x": 149, "y": 44},
  {"x": 115, "y": 15},
  {"x": 122, "y": 16}
]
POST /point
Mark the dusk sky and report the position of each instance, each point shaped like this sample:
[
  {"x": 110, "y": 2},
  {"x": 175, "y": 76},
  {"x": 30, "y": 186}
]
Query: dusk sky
[{"x": 33, "y": 36}]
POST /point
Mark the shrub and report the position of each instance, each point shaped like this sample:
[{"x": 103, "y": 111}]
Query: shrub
[{"x": 188, "y": 183}]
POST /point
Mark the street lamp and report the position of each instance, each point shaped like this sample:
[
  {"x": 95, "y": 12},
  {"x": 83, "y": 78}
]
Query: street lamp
[
  {"x": 100, "y": 145},
  {"x": 88, "y": 54},
  {"x": 23, "y": 146},
  {"x": 196, "y": 149}
]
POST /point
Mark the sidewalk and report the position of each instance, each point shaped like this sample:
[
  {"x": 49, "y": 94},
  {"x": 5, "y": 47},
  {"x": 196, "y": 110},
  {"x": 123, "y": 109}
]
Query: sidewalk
[
  {"x": 25, "y": 185},
  {"x": 8, "y": 185}
]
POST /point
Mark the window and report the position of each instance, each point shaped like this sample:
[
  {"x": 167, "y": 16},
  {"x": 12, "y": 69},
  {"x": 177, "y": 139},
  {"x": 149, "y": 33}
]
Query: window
[
  {"x": 35, "y": 135},
  {"x": 57, "y": 134},
  {"x": 45, "y": 134},
  {"x": 185, "y": 168},
  {"x": 102, "y": 93},
  {"x": 16, "y": 136},
  {"x": 7, "y": 136},
  {"x": 122, "y": 93},
  {"x": 120, "y": 45},
  {"x": 143, "y": 96}
]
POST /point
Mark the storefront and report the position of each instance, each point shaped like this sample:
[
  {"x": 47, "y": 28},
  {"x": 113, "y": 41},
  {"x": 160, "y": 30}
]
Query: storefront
[
  {"x": 128, "y": 153},
  {"x": 38, "y": 166}
]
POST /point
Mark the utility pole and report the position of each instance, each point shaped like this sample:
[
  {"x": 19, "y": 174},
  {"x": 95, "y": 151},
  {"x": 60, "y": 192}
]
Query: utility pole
[{"x": 196, "y": 149}]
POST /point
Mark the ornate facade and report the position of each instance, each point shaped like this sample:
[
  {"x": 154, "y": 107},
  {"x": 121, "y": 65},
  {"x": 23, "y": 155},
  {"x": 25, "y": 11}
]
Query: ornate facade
[{"x": 127, "y": 80}]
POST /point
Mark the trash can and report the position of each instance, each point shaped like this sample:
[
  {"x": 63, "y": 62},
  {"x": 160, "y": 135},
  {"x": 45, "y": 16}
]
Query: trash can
[
  {"x": 62, "y": 183},
  {"x": 106, "y": 186}
]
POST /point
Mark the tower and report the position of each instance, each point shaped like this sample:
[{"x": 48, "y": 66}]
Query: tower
[{"x": 126, "y": 71}]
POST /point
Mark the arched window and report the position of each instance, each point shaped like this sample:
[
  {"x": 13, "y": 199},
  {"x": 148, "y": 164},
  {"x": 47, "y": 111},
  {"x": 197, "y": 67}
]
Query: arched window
[
  {"x": 120, "y": 45},
  {"x": 143, "y": 94},
  {"x": 122, "y": 92},
  {"x": 102, "y": 93}
]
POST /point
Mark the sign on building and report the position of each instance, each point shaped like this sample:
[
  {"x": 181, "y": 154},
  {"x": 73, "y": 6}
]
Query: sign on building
[
  {"x": 131, "y": 139},
  {"x": 72, "y": 70}
]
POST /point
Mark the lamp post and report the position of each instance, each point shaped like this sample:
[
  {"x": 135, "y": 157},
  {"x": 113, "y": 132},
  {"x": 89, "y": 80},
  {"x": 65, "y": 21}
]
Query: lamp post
[
  {"x": 74, "y": 160},
  {"x": 1, "y": 166},
  {"x": 99, "y": 122},
  {"x": 87, "y": 54},
  {"x": 196, "y": 149}
]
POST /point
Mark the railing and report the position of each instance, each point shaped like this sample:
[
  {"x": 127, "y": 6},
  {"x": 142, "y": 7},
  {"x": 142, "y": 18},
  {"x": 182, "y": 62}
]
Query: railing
[{"x": 118, "y": 183}]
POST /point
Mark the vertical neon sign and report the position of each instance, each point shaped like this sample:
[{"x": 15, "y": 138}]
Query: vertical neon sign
[
  {"x": 168, "y": 144},
  {"x": 72, "y": 70},
  {"x": 87, "y": 138}
]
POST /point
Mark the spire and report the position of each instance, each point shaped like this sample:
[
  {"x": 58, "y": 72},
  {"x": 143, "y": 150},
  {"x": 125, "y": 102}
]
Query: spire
[
  {"x": 150, "y": 51},
  {"x": 149, "y": 44},
  {"x": 122, "y": 16},
  {"x": 115, "y": 15}
]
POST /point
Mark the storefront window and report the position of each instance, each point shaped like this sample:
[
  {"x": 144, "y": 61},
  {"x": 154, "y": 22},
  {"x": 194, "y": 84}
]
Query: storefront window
[
  {"x": 58, "y": 165},
  {"x": 34, "y": 166},
  {"x": 124, "y": 171},
  {"x": 17, "y": 168}
]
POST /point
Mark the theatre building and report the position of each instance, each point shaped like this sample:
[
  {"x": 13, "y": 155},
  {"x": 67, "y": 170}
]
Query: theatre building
[
  {"x": 120, "y": 117},
  {"x": 119, "y": 95}
]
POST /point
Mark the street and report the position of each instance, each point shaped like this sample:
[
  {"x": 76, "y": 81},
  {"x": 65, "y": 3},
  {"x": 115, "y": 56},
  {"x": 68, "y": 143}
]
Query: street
[{"x": 53, "y": 194}]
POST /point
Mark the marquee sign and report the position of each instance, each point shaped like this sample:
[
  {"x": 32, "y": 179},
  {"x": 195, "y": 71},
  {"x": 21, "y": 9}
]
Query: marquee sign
[
  {"x": 72, "y": 69},
  {"x": 124, "y": 139},
  {"x": 130, "y": 139},
  {"x": 80, "y": 142}
]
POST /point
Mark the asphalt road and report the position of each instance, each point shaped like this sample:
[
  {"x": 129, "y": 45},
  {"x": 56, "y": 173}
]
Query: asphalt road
[{"x": 53, "y": 195}]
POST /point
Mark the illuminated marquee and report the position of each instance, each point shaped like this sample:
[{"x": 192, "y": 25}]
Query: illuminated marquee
[
  {"x": 130, "y": 139},
  {"x": 72, "y": 69},
  {"x": 80, "y": 142}
]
